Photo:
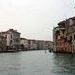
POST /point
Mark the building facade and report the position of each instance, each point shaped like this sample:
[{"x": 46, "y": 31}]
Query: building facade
[
  {"x": 64, "y": 36},
  {"x": 31, "y": 44},
  {"x": 12, "y": 39},
  {"x": 24, "y": 43},
  {"x": 2, "y": 43}
]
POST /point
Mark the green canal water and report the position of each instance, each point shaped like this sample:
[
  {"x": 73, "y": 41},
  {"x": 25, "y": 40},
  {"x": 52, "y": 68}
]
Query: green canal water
[{"x": 37, "y": 63}]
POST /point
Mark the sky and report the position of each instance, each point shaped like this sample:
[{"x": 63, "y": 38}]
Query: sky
[{"x": 34, "y": 19}]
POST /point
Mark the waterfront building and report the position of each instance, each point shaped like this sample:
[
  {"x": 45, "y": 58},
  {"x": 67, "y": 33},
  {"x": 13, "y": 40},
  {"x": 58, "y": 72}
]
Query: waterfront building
[
  {"x": 40, "y": 44},
  {"x": 24, "y": 43},
  {"x": 64, "y": 36},
  {"x": 50, "y": 45},
  {"x": 2, "y": 43},
  {"x": 32, "y": 44},
  {"x": 45, "y": 45},
  {"x": 11, "y": 41},
  {"x": 12, "y": 38}
]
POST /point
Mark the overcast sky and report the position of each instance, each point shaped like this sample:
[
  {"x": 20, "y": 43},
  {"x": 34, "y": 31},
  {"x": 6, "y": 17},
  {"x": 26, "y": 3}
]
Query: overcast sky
[{"x": 34, "y": 19}]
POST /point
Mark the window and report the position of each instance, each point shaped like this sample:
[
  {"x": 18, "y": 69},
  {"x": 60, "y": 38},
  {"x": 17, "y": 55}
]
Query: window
[
  {"x": 6, "y": 36},
  {"x": 63, "y": 31},
  {"x": 10, "y": 42},
  {"x": 11, "y": 36},
  {"x": 71, "y": 22},
  {"x": 74, "y": 36},
  {"x": 70, "y": 38}
]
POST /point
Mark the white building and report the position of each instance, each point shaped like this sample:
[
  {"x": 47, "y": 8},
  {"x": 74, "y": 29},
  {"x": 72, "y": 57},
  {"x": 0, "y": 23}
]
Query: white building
[
  {"x": 12, "y": 38},
  {"x": 32, "y": 44},
  {"x": 24, "y": 42}
]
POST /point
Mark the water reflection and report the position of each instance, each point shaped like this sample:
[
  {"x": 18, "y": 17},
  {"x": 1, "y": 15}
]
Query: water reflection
[
  {"x": 37, "y": 63},
  {"x": 64, "y": 64}
]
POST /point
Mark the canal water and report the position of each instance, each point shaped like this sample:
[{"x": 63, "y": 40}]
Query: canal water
[{"x": 37, "y": 63}]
